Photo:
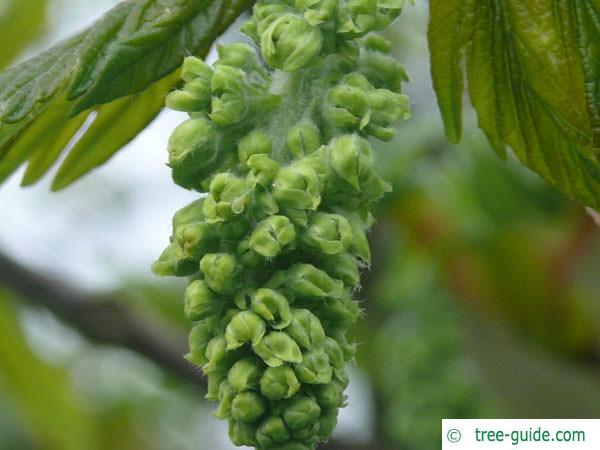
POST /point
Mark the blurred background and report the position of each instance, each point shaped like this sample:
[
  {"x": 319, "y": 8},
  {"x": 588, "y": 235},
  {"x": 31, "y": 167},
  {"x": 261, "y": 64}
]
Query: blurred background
[{"x": 483, "y": 300}]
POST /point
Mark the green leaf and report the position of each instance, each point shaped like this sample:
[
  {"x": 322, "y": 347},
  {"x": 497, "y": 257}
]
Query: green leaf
[
  {"x": 533, "y": 74},
  {"x": 41, "y": 394},
  {"x": 106, "y": 134},
  {"x": 21, "y": 22},
  {"x": 119, "y": 70}
]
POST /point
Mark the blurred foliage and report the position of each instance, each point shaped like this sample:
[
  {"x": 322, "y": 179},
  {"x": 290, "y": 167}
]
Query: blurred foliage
[
  {"x": 41, "y": 394},
  {"x": 59, "y": 395},
  {"x": 506, "y": 242},
  {"x": 22, "y": 20},
  {"x": 414, "y": 347}
]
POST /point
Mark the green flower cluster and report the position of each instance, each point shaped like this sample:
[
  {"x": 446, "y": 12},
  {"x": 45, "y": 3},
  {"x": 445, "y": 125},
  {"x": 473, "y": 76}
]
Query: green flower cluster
[{"x": 273, "y": 250}]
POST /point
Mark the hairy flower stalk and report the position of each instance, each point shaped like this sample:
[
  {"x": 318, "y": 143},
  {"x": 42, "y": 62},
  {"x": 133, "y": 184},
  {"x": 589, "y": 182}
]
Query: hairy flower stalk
[{"x": 278, "y": 141}]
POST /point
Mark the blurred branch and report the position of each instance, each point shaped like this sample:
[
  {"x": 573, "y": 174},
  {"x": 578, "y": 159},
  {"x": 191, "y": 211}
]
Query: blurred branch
[
  {"x": 105, "y": 319},
  {"x": 594, "y": 215}
]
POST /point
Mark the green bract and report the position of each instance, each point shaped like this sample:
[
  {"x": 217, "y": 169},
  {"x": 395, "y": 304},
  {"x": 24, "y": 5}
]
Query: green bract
[{"x": 277, "y": 139}]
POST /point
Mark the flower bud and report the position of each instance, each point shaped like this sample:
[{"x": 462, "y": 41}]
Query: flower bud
[
  {"x": 245, "y": 326},
  {"x": 278, "y": 383},
  {"x": 243, "y": 298},
  {"x": 240, "y": 55},
  {"x": 263, "y": 205},
  {"x": 357, "y": 17},
  {"x": 382, "y": 71},
  {"x": 199, "y": 89},
  {"x": 245, "y": 374},
  {"x": 277, "y": 348},
  {"x": 384, "y": 134},
  {"x": 227, "y": 198},
  {"x": 267, "y": 13},
  {"x": 314, "y": 368},
  {"x": 195, "y": 239},
  {"x": 174, "y": 261},
  {"x": 340, "y": 337},
  {"x": 387, "y": 108},
  {"x": 297, "y": 186},
  {"x": 308, "y": 281},
  {"x": 262, "y": 169},
  {"x": 290, "y": 43},
  {"x": 342, "y": 377},
  {"x": 198, "y": 341},
  {"x": 308, "y": 434},
  {"x": 233, "y": 229},
  {"x": 348, "y": 106},
  {"x": 319, "y": 162},
  {"x": 330, "y": 395},
  {"x": 236, "y": 94},
  {"x": 272, "y": 235},
  {"x": 247, "y": 256},
  {"x": 264, "y": 14},
  {"x": 360, "y": 245},
  {"x": 344, "y": 311},
  {"x": 193, "y": 152},
  {"x": 317, "y": 12},
  {"x": 306, "y": 329},
  {"x": 195, "y": 95},
  {"x": 229, "y": 104},
  {"x": 328, "y": 233},
  {"x": 194, "y": 68},
  {"x": 250, "y": 29},
  {"x": 344, "y": 119},
  {"x": 225, "y": 318},
  {"x": 257, "y": 142},
  {"x": 182, "y": 100},
  {"x": 377, "y": 43},
  {"x": 216, "y": 351},
  {"x": 343, "y": 266},
  {"x": 273, "y": 307},
  {"x": 191, "y": 213},
  {"x": 272, "y": 431},
  {"x": 388, "y": 10},
  {"x": 299, "y": 217},
  {"x": 226, "y": 396},
  {"x": 214, "y": 380},
  {"x": 219, "y": 270},
  {"x": 242, "y": 434},
  {"x": 351, "y": 158},
  {"x": 247, "y": 407},
  {"x": 301, "y": 412},
  {"x": 327, "y": 423},
  {"x": 200, "y": 301},
  {"x": 335, "y": 354},
  {"x": 373, "y": 187},
  {"x": 303, "y": 139}
]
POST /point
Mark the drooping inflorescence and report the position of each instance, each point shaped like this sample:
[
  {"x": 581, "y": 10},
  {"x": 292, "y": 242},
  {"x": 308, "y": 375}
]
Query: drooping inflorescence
[{"x": 277, "y": 139}]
